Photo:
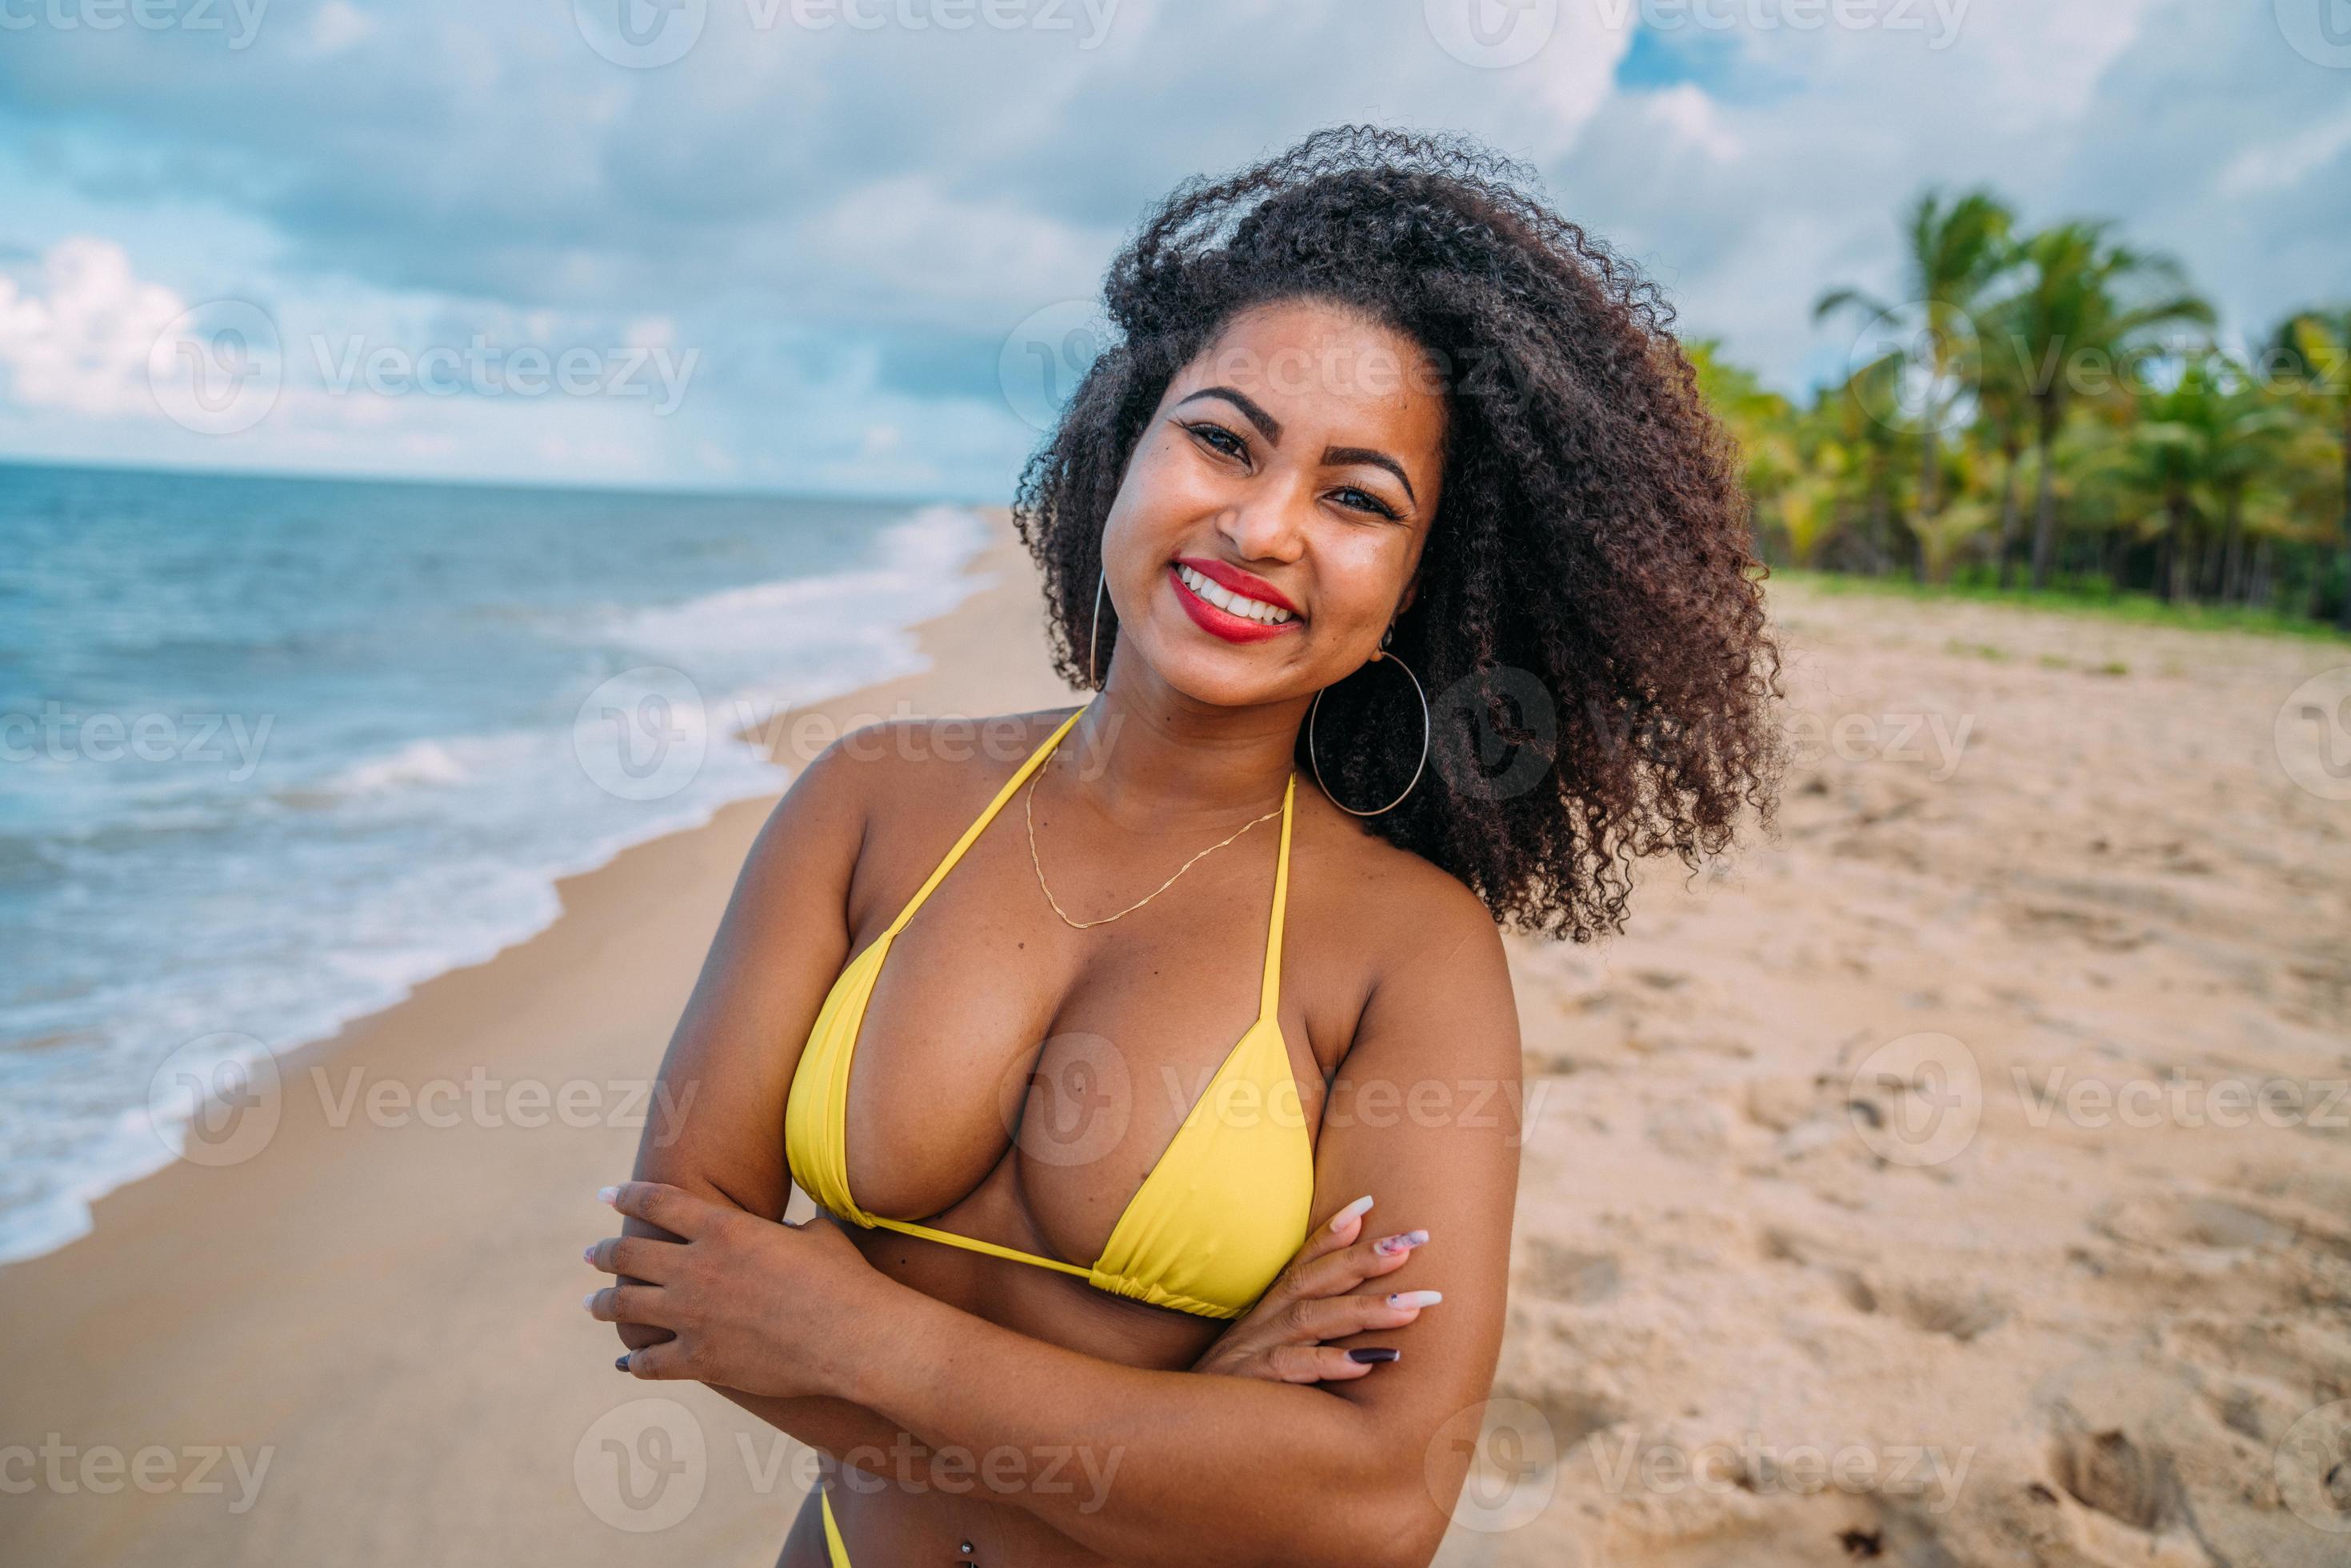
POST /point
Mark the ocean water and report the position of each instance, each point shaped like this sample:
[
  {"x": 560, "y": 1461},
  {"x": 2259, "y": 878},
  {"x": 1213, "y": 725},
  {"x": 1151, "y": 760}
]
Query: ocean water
[{"x": 273, "y": 751}]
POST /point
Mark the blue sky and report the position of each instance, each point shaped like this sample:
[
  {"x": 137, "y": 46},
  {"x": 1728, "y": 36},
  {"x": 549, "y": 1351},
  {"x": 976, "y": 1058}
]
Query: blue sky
[{"x": 820, "y": 247}]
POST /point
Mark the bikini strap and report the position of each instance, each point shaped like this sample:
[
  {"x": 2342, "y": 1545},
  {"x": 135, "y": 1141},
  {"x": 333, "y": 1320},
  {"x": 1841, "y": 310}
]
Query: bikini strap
[
  {"x": 974, "y": 1244},
  {"x": 971, "y": 834},
  {"x": 1269, "y": 993}
]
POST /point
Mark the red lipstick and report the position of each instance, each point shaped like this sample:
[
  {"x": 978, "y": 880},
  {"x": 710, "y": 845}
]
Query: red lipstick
[{"x": 1223, "y": 622}]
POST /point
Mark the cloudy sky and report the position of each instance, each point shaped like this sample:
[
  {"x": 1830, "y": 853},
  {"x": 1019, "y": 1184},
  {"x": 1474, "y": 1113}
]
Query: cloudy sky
[{"x": 843, "y": 245}]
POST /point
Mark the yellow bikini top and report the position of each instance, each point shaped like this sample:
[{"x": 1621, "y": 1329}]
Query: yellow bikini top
[{"x": 1223, "y": 1210}]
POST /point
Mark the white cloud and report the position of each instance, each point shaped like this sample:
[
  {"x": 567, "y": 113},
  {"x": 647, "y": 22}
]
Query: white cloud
[
  {"x": 1686, "y": 113},
  {"x": 844, "y": 223},
  {"x": 910, "y": 250},
  {"x": 337, "y": 26},
  {"x": 76, "y": 334},
  {"x": 2284, "y": 164}
]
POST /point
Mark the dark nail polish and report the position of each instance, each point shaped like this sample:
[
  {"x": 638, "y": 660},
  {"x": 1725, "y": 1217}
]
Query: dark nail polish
[
  {"x": 1374, "y": 1353},
  {"x": 622, "y": 1363}
]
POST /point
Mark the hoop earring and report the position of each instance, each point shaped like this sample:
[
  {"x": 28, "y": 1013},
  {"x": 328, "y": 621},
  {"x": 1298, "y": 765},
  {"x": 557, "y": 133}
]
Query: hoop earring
[
  {"x": 1093, "y": 631},
  {"x": 1418, "y": 768}
]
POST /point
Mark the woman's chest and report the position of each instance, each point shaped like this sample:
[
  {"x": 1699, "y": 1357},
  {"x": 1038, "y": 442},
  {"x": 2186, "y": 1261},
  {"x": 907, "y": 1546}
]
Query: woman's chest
[{"x": 996, "y": 1042}]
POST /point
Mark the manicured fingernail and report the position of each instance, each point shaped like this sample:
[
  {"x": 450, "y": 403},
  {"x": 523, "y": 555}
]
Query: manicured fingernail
[
  {"x": 1374, "y": 1353},
  {"x": 607, "y": 1194},
  {"x": 588, "y": 1301},
  {"x": 1389, "y": 1246},
  {"x": 1415, "y": 1298},
  {"x": 1360, "y": 1206},
  {"x": 622, "y": 1363},
  {"x": 589, "y": 1252}
]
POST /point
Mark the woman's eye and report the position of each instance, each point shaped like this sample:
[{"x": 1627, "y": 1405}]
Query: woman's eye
[
  {"x": 1220, "y": 439},
  {"x": 1364, "y": 501}
]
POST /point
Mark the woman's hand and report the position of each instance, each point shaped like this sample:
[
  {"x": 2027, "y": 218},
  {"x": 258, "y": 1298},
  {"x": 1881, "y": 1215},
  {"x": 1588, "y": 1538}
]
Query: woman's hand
[
  {"x": 1281, "y": 1338},
  {"x": 751, "y": 1304}
]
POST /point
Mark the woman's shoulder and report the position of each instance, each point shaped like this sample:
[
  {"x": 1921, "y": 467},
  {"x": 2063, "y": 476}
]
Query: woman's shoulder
[
  {"x": 930, "y": 762},
  {"x": 1409, "y": 918},
  {"x": 1365, "y": 872}
]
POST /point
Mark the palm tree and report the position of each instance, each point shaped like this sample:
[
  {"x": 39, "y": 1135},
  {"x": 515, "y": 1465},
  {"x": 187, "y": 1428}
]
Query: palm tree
[
  {"x": 2317, "y": 345},
  {"x": 1953, "y": 255},
  {"x": 1760, "y": 419},
  {"x": 2251, "y": 432},
  {"x": 1870, "y": 481},
  {"x": 2191, "y": 456},
  {"x": 2172, "y": 450},
  {"x": 2086, "y": 301},
  {"x": 2003, "y": 414}
]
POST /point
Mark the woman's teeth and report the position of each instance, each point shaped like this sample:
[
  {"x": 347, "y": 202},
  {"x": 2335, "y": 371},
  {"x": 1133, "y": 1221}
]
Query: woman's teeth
[{"x": 1232, "y": 604}]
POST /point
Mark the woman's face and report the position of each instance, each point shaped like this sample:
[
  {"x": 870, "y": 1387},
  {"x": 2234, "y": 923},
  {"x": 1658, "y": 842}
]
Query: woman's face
[{"x": 1272, "y": 515}]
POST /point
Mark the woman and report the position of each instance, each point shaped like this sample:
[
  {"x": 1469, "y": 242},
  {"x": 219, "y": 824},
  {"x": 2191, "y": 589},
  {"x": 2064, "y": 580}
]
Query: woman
[{"x": 1412, "y": 582}]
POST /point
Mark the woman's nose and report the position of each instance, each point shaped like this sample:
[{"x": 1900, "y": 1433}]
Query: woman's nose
[{"x": 1264, "y": 529}]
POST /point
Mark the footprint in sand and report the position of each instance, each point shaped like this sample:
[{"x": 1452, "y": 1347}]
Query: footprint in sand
[
  {"x": 1564, "y": 1274},
  {"x": 2106, "y": 1472}
]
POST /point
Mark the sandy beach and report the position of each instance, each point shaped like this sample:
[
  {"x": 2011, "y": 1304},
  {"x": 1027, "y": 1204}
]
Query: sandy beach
[{"x": 1963, "y": 1178}]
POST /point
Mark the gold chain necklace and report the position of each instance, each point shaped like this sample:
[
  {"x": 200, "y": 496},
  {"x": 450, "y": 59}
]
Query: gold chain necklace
[{"x": 1029, "y": 810}]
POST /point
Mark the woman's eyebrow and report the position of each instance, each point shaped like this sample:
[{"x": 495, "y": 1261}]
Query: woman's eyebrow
[
  {"x": 1270, "y": 428},
  {"x": 1266, "y": 425},
  {"x": 1343, "y": 455}
]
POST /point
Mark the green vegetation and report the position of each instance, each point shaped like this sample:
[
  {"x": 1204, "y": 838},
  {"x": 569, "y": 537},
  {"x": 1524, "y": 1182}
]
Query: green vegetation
[
  {"x": 2052, "y": 418},
  {"x": 2098, "y": 597}
]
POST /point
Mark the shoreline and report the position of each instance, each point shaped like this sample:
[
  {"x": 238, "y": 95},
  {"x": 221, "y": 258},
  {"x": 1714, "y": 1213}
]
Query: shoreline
[
  {"x": 407, "y": 1233},
  {"x": 760, "y": 771}
]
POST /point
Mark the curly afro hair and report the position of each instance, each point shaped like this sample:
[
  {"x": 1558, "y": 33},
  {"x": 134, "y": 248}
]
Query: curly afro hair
[{"x": 1589, "y": 627}]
